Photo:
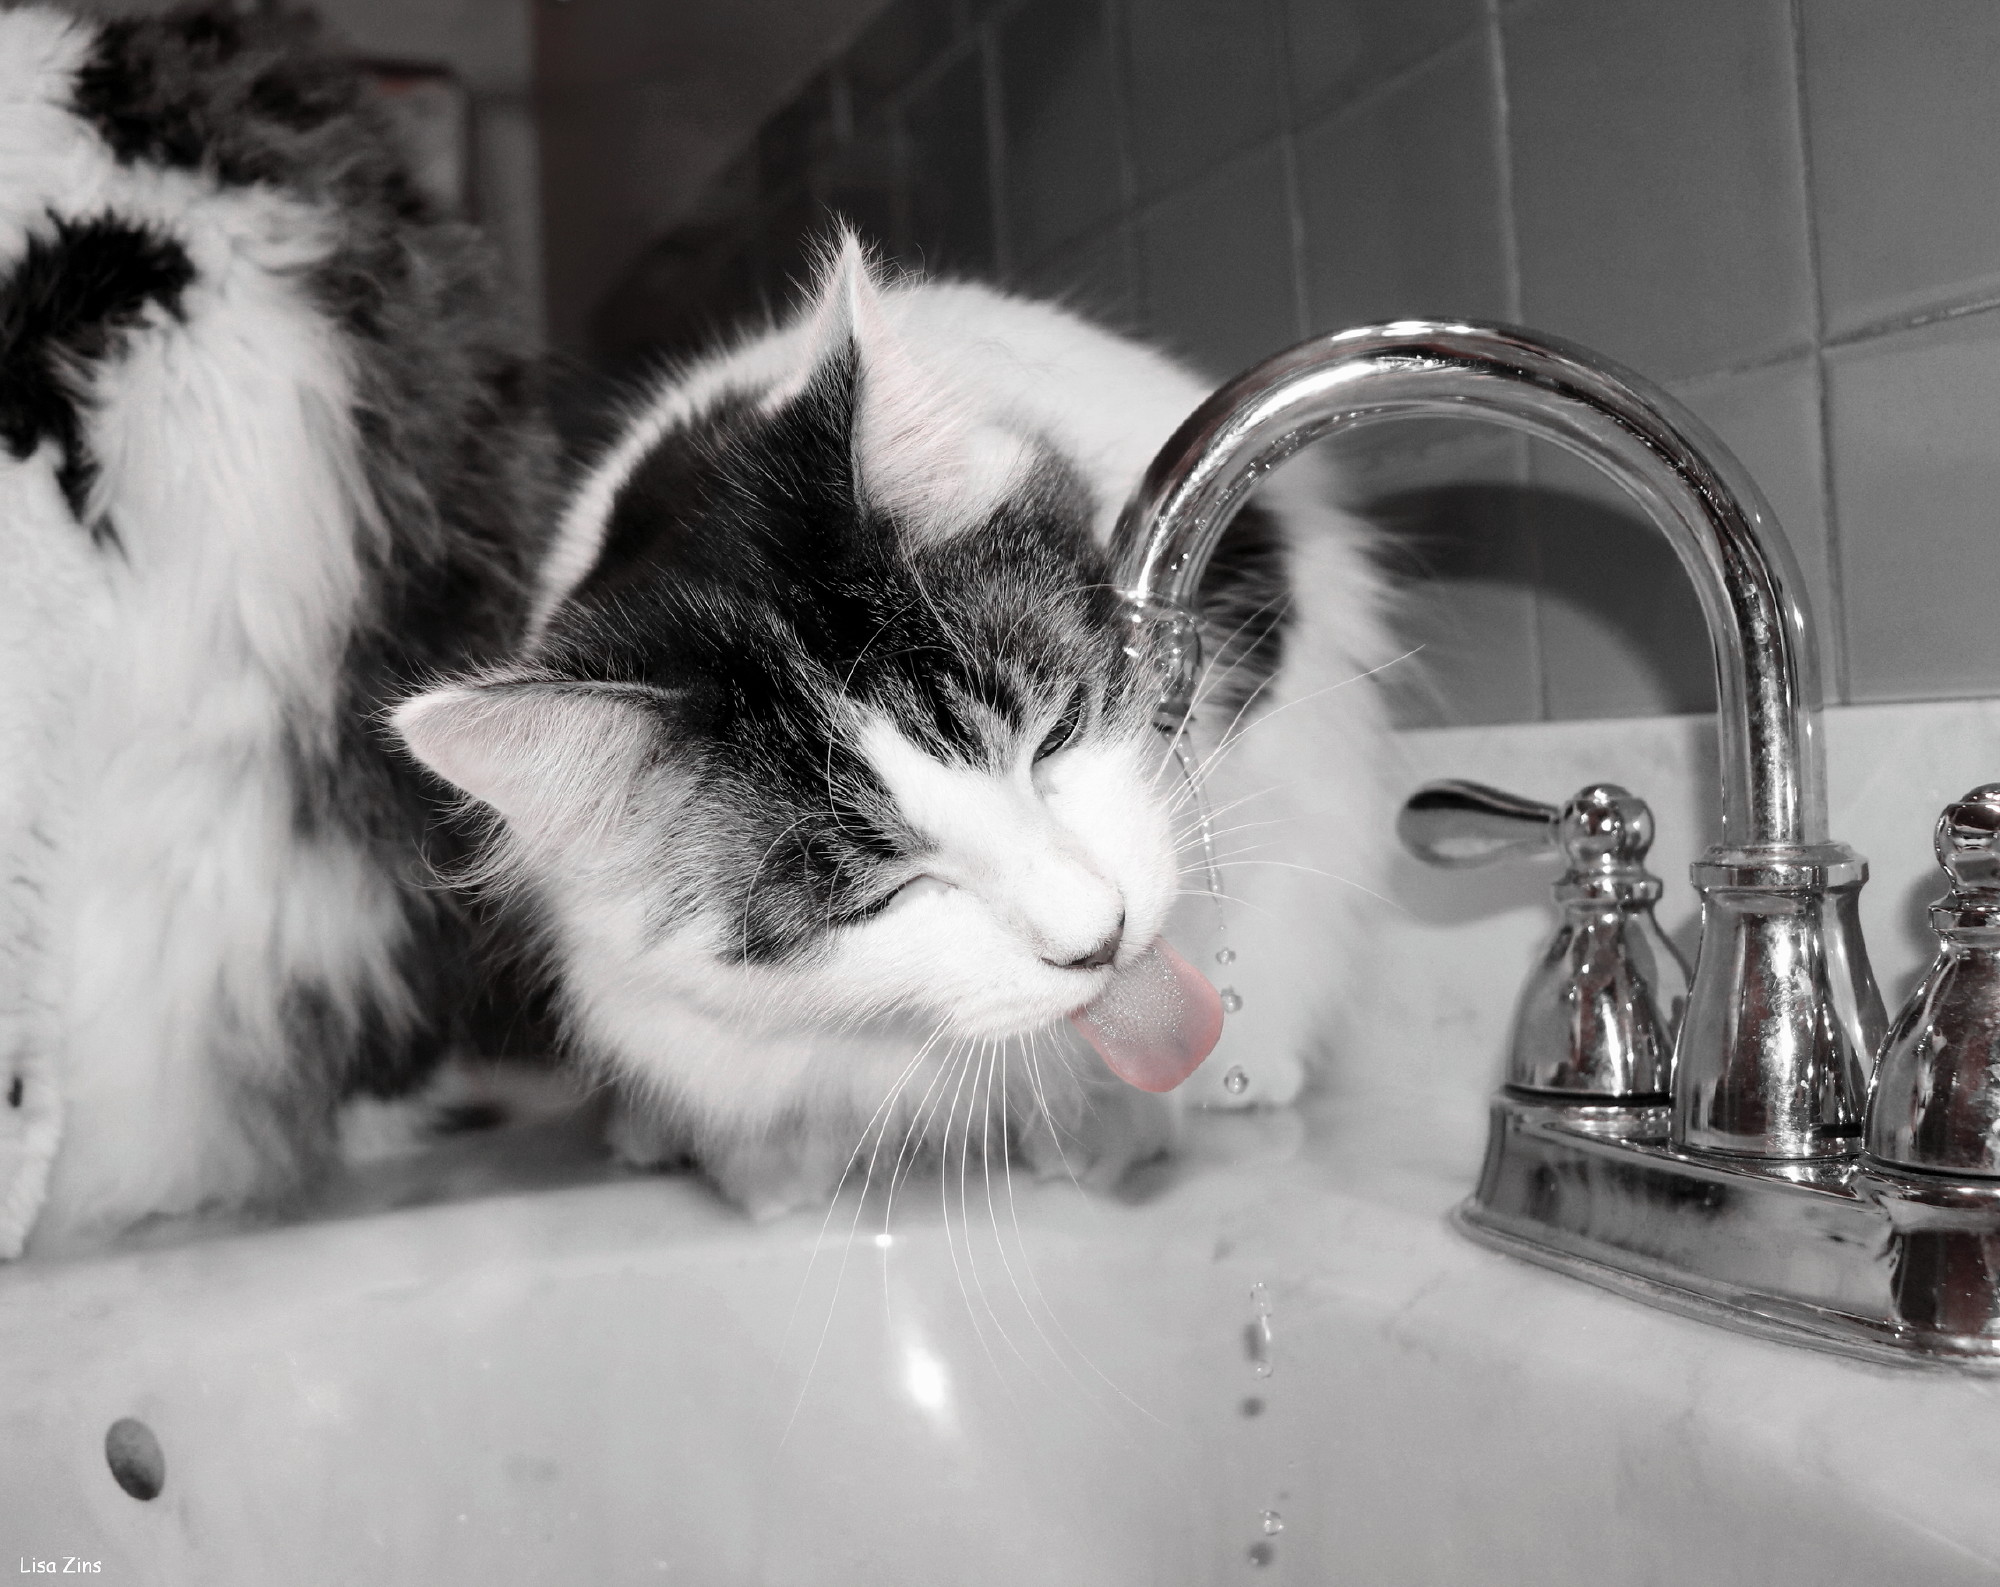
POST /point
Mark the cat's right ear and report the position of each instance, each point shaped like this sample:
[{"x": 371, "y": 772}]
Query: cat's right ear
[{"x": 557, "y": 760}]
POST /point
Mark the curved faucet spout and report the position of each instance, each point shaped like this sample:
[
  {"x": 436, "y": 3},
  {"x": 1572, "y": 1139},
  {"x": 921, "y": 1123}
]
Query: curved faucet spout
[
  {"x": 1766, "y": 666},
  {"x": 1783, "y": 1017}
]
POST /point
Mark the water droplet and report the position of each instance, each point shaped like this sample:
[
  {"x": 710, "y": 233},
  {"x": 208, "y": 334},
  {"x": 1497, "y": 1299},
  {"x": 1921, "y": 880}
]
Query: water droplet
[
  {"x": 1274, "y": 1523},
  {"x": 1225, "y": 955},
  {"x": 1257, "y": 1333},
  {"x": 1261, "y": 1554},
  {"x": 1257, "y": 1346},
  {"x": 1231, "y": 1000},
  {"x": 1185, "y": 756},
  {"x": 1236, "y": 1082}
]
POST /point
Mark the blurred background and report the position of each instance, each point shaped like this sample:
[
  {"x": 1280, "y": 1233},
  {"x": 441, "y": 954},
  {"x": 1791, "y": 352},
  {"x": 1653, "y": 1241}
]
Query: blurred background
[{"x": 1786, "y": 211}]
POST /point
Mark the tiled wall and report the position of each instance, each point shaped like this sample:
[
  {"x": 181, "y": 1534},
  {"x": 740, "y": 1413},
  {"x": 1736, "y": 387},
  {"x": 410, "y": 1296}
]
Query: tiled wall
[{"x": 1787, "y": 211}]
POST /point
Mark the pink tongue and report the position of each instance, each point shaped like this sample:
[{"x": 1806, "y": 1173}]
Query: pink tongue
[{"x": 1156, "y": 1021}]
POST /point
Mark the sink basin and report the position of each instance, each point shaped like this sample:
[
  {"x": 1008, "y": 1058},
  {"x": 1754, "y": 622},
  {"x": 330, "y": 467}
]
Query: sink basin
[
  {"x": 510, "y": 1365},
  {"x": 624, "y": 1381}
]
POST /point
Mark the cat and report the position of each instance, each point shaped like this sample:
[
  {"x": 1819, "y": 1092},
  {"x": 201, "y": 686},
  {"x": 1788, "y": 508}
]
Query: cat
[
  {"x": 828, "y": 787},
  {"x": 270, "y": 453}
]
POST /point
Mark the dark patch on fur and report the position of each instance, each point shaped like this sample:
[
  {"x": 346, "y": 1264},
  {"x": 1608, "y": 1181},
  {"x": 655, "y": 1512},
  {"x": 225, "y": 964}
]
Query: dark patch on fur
[
  {"x": 743, "y": 575},
  {"x": 1246, "y": 601},
  {"x": 64, "y": 308},
  {"x": 467, "y": 1118},
  {"x": 455, "y": 441}
]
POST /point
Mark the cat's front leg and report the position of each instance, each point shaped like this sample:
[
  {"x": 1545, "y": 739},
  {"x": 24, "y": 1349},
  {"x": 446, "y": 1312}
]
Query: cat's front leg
[
  {"x": 1094, "y": 1128},
  {"x": 767, "y": 1173}
]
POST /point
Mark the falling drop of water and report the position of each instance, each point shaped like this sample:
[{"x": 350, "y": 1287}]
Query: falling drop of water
[
  {"x": 1257, "y": 1336},
  {"x": 1274, "y": 1523},
  {"x": 1225, "y": 955},
  {"x": 1236, "y": 1082},
  {"x": 1206, "y": 825},
  {"x": 1232, "y": 1001}
]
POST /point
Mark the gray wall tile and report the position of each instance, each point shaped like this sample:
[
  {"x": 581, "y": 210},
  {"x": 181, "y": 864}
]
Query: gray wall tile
[
  {"x": 1621, "y": 631},
  {"x": 1770, "y": 418},
  {"x": 1216, "y": 265},
  {"x": 1916, "y": 483},
  {"x": 1373, "y": 250},
  {"x": 1904, "y": 123},
  {"x": 1448, "y": 498},
  {"x": 1059, "y": 94},
  {"x": 908, "y": 36},
  {"x": 1339, "y": 49},
  {"x": 951, "y": 196},
  {"x": 1205, "y": 79},
  {"x": 1096, "y": 277},
  {"x": 1659, "y": 181},
  {"x": 1639, "y": 180}
]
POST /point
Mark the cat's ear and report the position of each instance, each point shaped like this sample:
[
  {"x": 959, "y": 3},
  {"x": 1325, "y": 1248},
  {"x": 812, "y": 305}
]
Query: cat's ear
[
  {"x": 921, "y": 452},
  {"x": 557, "y": 760}
]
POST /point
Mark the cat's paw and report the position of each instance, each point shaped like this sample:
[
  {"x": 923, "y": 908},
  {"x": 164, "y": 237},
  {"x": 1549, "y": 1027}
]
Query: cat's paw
[
  {"x": 1114, "y": 1129},
  {"x": 769, "y": 1176},
  {"x": 642, "y": 1137}
]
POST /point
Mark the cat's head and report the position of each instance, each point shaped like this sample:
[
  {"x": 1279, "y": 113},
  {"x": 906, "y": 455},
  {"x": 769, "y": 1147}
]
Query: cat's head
[{"x": 839, "y": 723}]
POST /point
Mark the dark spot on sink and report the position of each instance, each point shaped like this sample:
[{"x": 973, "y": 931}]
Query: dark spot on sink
[
  {"x": 1252, "y": 1406},
  {"x": 14, "y": 1093},
  {"x": 1262, "y": 1554},
  {"x": 1147, "y": 1181},
  {"x": 135, "y": 1458}
]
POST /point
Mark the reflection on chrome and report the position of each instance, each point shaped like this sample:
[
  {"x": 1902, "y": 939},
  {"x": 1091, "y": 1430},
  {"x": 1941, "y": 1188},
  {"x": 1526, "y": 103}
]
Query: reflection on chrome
[{"x": 1738, "y": 1191}]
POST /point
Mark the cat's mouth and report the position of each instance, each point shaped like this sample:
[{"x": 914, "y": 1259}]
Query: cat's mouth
[{"x": 1155, "y": 1022}]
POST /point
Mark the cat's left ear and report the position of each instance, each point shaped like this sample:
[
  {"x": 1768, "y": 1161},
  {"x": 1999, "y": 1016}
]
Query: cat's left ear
[
  {"x": 557, "y": 760},
  {"x": 922, "y": 453}
]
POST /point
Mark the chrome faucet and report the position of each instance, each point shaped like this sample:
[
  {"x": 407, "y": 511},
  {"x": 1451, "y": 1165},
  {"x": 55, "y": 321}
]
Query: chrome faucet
[{"x": 1743, "y": 1197}]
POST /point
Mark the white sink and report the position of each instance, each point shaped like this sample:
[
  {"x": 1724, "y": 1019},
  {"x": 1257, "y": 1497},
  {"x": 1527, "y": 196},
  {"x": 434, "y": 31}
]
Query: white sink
[
  {"x": 547, "y": 1374},
  {"x": 608, "y": 1383}
]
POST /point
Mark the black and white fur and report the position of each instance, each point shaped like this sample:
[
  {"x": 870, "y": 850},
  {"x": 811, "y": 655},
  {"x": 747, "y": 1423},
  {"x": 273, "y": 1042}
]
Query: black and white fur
[
  {"x": 268, "y": 454},
  {"x": 826, "y": 780}
]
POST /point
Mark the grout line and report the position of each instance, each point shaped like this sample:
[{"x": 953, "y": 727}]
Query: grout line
[
  {"x": 927, "y": 76},
  {"x": 1288, "y": 164},
  {"x": 1128, "y": 213},
  {"x": 1836, "y": 684},
  {"x": 1790, "y": 352},
  {"x": 1510, "y": 267},
  {"x": 1295, "y": 225},
  {"x": 1340, "y": 108},
  {"x": 1116, "y": 46},
  {"x": 1510, "y": 227},
  {"x": 1914, "y": 319},
  {"x": 988, "y": 45}
]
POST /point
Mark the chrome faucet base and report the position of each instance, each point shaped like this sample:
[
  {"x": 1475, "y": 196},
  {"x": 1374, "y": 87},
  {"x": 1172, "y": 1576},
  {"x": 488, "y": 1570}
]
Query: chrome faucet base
[{"x": 1837, "y": 1253}]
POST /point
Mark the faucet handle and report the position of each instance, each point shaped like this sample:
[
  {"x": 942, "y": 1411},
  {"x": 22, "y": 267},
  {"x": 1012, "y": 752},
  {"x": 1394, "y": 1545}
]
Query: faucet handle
[
  {"x": 1596, "y": 1021},
  {"x": 1935, "y": 1103},
  {"x": 1604, "y": 832},
  {"x": 1461, "y": 825},
  {"x": 1967, "y": 840}
]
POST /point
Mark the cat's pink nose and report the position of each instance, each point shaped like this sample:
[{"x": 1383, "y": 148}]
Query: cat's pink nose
[{"x": 1098, "y": 957}]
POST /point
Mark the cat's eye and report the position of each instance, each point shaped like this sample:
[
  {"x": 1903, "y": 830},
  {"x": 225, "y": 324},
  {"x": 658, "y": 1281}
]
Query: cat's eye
[{"x": 1059, "y": 736}]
